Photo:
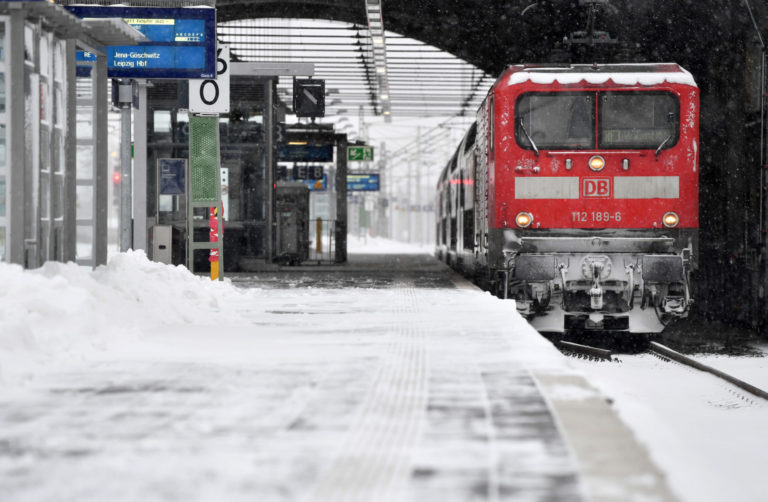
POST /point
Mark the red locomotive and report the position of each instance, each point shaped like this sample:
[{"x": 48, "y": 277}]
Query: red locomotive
[{"x": 575, "y": 192}]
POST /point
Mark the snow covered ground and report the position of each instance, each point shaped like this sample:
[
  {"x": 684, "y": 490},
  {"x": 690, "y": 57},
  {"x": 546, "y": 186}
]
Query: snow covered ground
[
  {"x": 379, "y": 245},
  {"x": 708, "y": 436},
  {"x": 139, "y": 381},
  {"x": 127, "y": 383},
  {"x": 752, "y": 369}
]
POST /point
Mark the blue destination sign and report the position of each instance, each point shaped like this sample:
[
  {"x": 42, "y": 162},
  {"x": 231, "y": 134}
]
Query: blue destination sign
[
  {"x": 305, "y": 153},
  {"x": 362, "y": 182},
  {"x": 182, "y": 42},
  {"x": 155, "y": 57}
]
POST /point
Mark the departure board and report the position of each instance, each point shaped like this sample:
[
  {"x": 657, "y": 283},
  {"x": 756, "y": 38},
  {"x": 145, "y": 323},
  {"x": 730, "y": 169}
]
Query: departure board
[{"x": 182, "y": 42}]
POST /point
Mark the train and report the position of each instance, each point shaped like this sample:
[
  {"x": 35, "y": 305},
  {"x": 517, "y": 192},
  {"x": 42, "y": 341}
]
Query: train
[{"x": 575, "y": 193}]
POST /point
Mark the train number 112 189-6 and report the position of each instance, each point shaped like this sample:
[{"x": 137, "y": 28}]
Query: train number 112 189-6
[{"x": 593, "y": 217}]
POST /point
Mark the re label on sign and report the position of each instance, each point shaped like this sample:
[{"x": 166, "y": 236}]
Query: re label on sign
[{"x": 212, "y": 95}]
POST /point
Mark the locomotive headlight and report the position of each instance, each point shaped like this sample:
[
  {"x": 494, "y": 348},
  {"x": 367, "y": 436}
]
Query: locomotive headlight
[
  {"x": 596, "y": 163},
  {"x": 670, "y": 220},
  {"x": 524, "y": 220}
]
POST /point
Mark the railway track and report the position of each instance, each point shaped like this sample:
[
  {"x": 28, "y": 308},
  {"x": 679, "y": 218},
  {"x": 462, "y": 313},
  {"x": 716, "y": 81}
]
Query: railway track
[
  {"x": 579, "y": 350},
  {"x": 664, "y": 353}
]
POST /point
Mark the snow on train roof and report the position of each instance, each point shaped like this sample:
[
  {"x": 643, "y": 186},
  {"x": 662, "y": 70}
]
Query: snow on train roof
[{"x": 625, "y": 74}]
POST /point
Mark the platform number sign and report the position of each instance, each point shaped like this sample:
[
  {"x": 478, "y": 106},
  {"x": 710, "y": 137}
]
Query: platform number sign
[
  {"x": 308, "y": 172},
  {"x": 212, "y": 95}
]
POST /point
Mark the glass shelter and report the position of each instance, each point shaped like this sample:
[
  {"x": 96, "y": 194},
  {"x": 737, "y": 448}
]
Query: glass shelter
[{"x": 53, "y": 177}]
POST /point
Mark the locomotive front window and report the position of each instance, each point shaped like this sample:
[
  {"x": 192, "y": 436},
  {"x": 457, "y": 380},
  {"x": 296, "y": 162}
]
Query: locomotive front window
[
  {"x": 638, "y": 120},
  {"x": 555, "y": 121}
]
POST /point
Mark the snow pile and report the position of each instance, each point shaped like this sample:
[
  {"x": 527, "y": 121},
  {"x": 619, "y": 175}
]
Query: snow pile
[
  {"x": 65, "y": 310},
  {"x": 537, "y": 76}
]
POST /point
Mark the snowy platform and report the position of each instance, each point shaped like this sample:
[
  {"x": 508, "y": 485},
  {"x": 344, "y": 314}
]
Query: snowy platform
[{"x": 388, "y": 378}]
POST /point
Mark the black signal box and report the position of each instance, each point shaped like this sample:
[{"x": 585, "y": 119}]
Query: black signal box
[{"x": 309, "y": 97}]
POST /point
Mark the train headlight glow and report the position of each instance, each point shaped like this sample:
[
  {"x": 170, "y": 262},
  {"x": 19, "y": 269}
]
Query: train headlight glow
[
  {"x": 524, "y": 220},
  {"x": 670, "y": 220},
  {"x": 596, "y": 163}
]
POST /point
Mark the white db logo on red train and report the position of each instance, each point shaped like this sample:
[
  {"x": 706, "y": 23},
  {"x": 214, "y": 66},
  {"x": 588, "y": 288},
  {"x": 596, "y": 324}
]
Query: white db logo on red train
[{"x": 596, "y": 187}]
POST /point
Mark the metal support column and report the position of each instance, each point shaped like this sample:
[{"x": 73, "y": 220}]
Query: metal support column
[
  {"x": 140, "y": 168},
  {"x": 341, "y": 198},
  {"x": 763, "y": 92},
  {"x": 409, "y": 207},
  {"x": 419, "y": 202},
  {"x": 386, "y": 176},
  {"x": 124, "y": 99},
  {"x": 69, "y": 209},
  {"x": 100, "y": 161},
  {"x": 270, "y": 163},
  {"x": 15, "y": 140}
]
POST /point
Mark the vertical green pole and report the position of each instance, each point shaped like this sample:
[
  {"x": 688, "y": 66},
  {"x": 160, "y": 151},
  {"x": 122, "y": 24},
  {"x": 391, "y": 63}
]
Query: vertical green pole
[{"x": 204, "y": 182}]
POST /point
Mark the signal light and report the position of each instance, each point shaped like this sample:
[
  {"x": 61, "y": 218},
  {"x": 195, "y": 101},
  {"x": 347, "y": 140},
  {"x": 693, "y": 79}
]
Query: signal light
[
  {"x": 116, "y": 177},
  {"x": 596, "y": 163},
  {"x": 670, "y": 220},
  {"x": 524, "y": 220}
]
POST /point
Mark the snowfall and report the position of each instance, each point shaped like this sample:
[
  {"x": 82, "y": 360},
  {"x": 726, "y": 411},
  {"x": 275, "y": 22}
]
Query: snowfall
[{"x": 87, "y": 355}]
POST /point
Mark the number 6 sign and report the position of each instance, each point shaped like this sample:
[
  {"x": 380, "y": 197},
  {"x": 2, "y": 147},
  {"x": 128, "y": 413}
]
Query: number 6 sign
[{"x": 208, "y": 95}]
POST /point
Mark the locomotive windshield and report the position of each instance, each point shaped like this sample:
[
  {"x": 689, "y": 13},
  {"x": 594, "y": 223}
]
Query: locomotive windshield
[
  {"x": 638, "y": 119},
  {"x": 567, "y": 120},
  {"x": 542, "y": 118}
]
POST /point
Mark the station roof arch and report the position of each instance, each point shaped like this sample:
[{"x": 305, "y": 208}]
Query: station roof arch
[{"x": 492, "y": 34}]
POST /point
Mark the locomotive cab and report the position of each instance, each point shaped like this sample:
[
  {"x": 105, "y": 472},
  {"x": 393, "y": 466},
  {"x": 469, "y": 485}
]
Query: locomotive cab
[{"x": 586, "y": 194}]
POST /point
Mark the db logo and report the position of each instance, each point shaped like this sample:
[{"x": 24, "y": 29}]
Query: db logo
[{"x": 596, "y": 187}]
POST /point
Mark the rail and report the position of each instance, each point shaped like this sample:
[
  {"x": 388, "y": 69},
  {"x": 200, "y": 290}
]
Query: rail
[
  {"x": 570, "y": 348},
  {"x": 665, "y": 352}
]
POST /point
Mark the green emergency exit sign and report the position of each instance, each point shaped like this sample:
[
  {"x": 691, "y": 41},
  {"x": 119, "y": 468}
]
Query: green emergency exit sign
[{"x": 359, "y": 153}]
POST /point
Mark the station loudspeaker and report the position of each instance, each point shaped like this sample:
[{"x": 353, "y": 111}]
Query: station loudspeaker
[{"x": 309, "y": 97}]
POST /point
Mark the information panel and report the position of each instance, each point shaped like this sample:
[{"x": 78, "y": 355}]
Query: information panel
[
  {"x": 305, "y": 153},
  {"x": 171, "y": 174},
  {"x": 363, "y": 182},
  {"x": 182, "y": 42}
]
